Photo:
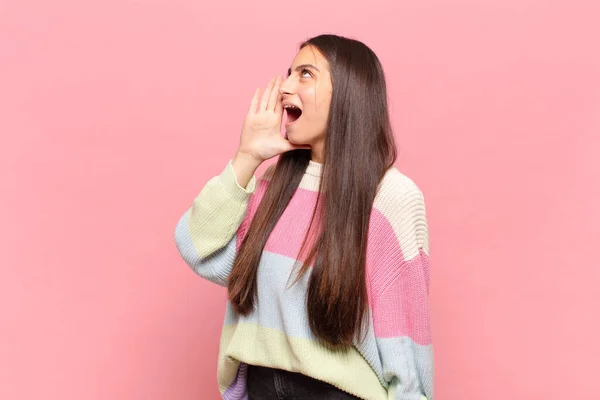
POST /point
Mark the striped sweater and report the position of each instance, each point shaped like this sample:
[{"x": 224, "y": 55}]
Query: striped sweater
[{"x": 394, "y": 360}]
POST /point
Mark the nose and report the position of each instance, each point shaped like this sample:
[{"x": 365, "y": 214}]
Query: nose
[{"x": 287, "y": 86}]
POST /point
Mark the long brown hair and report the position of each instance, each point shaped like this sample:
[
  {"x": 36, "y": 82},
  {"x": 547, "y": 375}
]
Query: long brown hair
[{"x": 359, "y": 148}]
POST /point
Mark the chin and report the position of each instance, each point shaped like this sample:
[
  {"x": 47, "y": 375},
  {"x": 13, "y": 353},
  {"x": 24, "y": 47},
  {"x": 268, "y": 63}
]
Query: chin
[
  {"x": 293, "y": 136},
  {"x": 295, "y": 141}
]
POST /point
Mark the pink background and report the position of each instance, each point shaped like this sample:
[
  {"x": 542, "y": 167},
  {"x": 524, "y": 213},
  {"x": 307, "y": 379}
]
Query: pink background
[{"x": 113, "y": 115}]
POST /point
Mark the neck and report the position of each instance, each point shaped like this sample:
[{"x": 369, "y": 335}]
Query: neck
[{"x": 316, "y": 153}]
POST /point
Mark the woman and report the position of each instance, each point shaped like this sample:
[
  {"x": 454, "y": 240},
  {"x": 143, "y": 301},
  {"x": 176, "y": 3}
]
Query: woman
[{"x": 325, "y": 256}]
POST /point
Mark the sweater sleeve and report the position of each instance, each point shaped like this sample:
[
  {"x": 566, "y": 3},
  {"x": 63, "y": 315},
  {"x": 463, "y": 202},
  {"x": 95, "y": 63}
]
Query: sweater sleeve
[
  {"x": 401, "y": 311},
  {"x": 206, "y": 233}
]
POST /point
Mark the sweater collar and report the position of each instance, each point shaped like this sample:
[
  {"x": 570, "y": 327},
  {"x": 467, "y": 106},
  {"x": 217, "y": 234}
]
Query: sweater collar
[{"x": 314, "y": 168}]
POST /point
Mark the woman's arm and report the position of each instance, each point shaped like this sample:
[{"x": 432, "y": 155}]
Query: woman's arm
[
  {"x": 403, "y": 333},
  {"x": 206, "y": 233},
  {"x": 400, "y": 300}
]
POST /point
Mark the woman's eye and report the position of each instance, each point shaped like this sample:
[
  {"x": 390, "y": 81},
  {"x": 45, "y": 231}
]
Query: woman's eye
[{"x": 307, "y": 72}]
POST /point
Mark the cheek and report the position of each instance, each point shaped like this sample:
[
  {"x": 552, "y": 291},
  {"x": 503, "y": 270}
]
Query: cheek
[
  {"x": 323, "y": 107},
  {"x": 316, "y": 103},
  {"x": 307, "y": 97}
]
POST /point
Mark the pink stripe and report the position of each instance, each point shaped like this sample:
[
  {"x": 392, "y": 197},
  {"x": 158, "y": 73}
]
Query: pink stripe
[
  {"x": 291, "y": 228},
  {"x": 384, "y": 255},
  {"x": 397, "y": 288},
  {"x": 401, "y": 309}
]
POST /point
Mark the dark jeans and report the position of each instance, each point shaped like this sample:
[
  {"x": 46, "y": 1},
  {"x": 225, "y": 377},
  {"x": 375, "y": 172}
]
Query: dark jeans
[{"x": 276, "y": 384}]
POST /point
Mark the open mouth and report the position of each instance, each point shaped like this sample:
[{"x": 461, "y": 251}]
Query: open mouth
[{"x": 293, "y": 113}]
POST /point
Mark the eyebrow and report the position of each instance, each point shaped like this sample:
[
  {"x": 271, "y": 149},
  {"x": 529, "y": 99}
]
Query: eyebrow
[{"x": 302, "y": 66}]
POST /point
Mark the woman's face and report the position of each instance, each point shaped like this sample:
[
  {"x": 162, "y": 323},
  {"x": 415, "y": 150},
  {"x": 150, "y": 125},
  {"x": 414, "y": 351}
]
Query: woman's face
[{"x": 307, "y": 90}]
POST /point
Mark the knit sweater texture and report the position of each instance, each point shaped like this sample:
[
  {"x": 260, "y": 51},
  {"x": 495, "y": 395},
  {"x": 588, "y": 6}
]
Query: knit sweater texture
[{"x": 393, "y": 361}]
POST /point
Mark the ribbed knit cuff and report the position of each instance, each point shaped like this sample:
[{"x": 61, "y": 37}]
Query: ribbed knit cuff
[{"x": 229, "y": 181}]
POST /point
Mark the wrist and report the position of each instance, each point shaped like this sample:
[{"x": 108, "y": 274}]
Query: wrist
[{"x": 246, "y": 159}]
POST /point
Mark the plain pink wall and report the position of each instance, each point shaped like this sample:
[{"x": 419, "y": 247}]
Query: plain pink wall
[{"x": 113, "y": 115}]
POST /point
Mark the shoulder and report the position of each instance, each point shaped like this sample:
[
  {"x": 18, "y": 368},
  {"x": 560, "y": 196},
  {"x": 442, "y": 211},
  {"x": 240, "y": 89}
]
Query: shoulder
[
  {"x": 401, "y": 204},
  {"x": 398, "y": 193}
]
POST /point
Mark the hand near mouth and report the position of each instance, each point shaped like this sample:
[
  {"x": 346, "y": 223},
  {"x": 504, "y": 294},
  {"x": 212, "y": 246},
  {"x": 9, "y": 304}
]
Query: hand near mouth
[{"x": 261, "y": 132}]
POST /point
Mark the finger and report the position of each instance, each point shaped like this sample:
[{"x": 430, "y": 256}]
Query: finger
[
  {"x": 265, "y": 96},
  {"x": 274, "y": 94},
  {"x": 254, "y": 102}
]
